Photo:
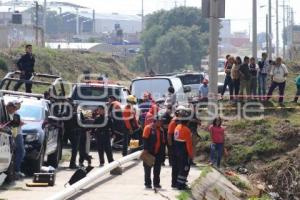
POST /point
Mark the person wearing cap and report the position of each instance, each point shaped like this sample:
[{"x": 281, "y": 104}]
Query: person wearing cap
[
  {"x": 153, "y": 140},
  {"x": 183, "y": 151},
  {"x": 131, "y": 124},
  {"x": 26, "y": 65},
  {"x": 203, "y": 91},
  {"x": 116, "y": 114},
  {"x": 15, "y": 124},
  {"x": 150, "y": 114},
  {"x": 144, "y": 107},
  {"x": 103, "y": 135}
]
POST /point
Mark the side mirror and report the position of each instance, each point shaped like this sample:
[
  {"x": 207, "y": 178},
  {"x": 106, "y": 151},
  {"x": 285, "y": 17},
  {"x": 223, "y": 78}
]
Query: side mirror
[{"x": 187, "y": 89}]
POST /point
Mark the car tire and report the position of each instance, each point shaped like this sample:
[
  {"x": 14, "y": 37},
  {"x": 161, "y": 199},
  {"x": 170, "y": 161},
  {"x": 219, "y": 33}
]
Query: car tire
[
  {"x": 54, "y": 158},
  {"x": 10, "y": 171},
  {"x": 34, "y": 166}
]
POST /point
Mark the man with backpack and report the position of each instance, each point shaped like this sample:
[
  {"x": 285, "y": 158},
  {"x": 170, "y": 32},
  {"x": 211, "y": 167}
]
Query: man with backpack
[{"x": 278, "y": 74}]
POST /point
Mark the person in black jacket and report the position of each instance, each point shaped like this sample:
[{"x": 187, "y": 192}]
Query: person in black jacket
[
  {"x": 26, "y": 65},
  {"x": 103, "y": 135}
]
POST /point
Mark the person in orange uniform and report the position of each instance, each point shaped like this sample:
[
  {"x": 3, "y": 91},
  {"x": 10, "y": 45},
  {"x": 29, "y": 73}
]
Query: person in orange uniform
[
  {"x": 183, "y": 151},
  {"x": 116, "y": 114},
  {"x": 131, "y": 124},
  {"x": 153, "y": 136},
  {"x": 149, "y": 116},
  {"x": 170, "y": 137}
]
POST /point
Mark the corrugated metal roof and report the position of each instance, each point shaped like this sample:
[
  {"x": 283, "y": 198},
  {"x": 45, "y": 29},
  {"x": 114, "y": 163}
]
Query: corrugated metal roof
[{"x": 64, "y": 45}]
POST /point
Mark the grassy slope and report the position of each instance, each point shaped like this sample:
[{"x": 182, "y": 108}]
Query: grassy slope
[{"x": 70, "y": 64}]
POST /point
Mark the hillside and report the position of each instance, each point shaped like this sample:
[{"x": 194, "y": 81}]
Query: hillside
[{"x": 68, "y": 64}]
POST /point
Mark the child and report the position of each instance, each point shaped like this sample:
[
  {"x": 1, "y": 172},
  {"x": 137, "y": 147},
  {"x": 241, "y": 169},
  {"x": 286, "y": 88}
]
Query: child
[
  {"x": 298, "y": 89},
  {"x": 217, "y": 135}
]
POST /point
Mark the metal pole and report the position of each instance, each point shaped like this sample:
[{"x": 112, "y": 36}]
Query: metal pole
[
  {"x": 270, "y": 30},
  {"x": 277, "y": 30},
  {"x": 254, "y": 29},
  {"x": 94, "y": 22},
  {"x": 284, "y": 31},
  {"x": 77, "y": 21},
  {"x": 36, "y": 23},
  {"x": 184, "y": 3},
  {"x": 267, "y": 33},
  {"x": 142, "y": 15},
  {"x": 44, "y": 15},
  {"x": 213, "y": 53},
  {"x": 92, "y": 177}
]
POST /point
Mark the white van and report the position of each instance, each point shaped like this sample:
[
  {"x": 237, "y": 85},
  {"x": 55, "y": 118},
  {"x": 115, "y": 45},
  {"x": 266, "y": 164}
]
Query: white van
[{"x": 158, "y": 87}]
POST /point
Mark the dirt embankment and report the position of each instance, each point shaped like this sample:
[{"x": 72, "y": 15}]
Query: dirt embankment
[
  {"x": 269, "y": 149},
  {"x": 69, "y": 64}
]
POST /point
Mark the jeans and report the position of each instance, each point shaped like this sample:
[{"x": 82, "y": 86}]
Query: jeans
[
  {"x": 20, "y": 152},
  {"x": 74, "y": 137},
  {"x": 156, "y": 171},
  {"x": 297, "y": 94},
  {"x": 236, "y": 86},
  {"x": 104, "y": 145},
  {"x": 262, "y": 84},
  {"x": 83, "y": 152},
  {"x": 281, "y": 87},
  {"x": 253, "y": 86},
  {"x": 216, "y": 153},
  {"x": 27, "y": 76},
  {"x": 244, "y": 85},
  {"x": 227, "y": 82}
]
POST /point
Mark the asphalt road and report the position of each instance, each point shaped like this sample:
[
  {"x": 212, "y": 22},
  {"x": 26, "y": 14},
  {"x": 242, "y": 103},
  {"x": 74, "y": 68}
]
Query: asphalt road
[{"x": 128, "y": 186}]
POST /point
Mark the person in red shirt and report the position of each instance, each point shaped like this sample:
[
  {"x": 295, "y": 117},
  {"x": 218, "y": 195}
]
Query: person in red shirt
[
  {"x": 217, "y": 134},
  {"x": 153, "y": 136},
  {"x": 149, "y": 116},
  {"x": 183, "y": 152}
]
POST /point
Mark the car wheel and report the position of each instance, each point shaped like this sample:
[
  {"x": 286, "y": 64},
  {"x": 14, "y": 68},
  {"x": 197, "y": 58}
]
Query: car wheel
[
  {"x": 34, "y": 166},
  {"x": 54, "y": 158}
]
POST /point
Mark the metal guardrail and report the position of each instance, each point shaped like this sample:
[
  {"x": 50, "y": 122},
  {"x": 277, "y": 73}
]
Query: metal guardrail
[{"x": 92, "y": 177}]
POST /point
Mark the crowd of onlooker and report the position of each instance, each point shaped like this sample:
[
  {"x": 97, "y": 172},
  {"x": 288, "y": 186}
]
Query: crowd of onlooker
[{"x": 248, "y": 79}]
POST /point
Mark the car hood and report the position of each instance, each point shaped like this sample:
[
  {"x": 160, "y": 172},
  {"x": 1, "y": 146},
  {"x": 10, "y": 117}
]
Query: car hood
[{"x": 30, "y": 126}]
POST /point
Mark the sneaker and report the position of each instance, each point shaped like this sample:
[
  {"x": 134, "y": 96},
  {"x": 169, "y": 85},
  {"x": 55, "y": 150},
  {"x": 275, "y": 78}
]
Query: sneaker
[
  {"x": 157, "y": 186},
  {"x": 73, "y": 166},
  {"x": 148, "y": 186},
  {"x": 101, "y": 165},
  {"x": 81, "y": 165}
]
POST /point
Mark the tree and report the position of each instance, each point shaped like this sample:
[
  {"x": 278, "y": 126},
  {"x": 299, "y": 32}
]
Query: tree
[
  {"x": 173, "y": 39},
  {"x": 171, "y": 53}
]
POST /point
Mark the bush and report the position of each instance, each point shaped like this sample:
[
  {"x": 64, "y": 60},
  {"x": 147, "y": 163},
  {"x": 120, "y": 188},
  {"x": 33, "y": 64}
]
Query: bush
[{"x": 3, "y": 65}]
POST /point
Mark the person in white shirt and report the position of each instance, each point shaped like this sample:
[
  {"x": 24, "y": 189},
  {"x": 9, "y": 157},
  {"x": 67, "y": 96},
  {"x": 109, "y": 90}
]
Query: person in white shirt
[
  {"x": 171, "y": 99},
  {"x": 203, "y": 91},
  {"x": 278, "y": 75}
]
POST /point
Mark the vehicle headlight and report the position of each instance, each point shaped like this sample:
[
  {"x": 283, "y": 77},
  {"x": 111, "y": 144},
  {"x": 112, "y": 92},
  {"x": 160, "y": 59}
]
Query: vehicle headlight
[{"x": 32, "y": 137}]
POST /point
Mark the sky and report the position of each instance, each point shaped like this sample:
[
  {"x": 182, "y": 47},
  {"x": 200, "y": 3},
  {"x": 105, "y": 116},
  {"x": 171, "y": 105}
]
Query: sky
[{"x": 239, "y": 11}]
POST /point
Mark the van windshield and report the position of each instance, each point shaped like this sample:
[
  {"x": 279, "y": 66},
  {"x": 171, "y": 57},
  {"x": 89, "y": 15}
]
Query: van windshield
[
  {"x": 94, "y": 93},
  {"x": 157, "y": 87},
  {"x": 190, "y": 79}
]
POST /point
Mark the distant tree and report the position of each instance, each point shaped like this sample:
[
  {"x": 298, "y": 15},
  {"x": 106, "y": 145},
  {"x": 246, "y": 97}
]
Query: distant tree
[{"x": 173, "y": 39}]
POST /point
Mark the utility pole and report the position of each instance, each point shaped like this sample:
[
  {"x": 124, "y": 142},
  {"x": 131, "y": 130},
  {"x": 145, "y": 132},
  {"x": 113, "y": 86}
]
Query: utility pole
[
  {"x": 284, "y": 31},
  {"x": 184, "y": 3},
  {"x": 254, "y": 29},
  {"x": 94, "y": 22},
  {"x": 175, "y": 4},
  {"x": 270, "y": 31},
  {"x": 213, "y": 52},
  {"x": 277, "y": 30},
  {"x": 142, "y": 15},
  {"x": 44, "y": 22},
  {"x": 77, "y": 21},
  {"x": 267, "y": 33},
  {"x": 36, "y": 23}
]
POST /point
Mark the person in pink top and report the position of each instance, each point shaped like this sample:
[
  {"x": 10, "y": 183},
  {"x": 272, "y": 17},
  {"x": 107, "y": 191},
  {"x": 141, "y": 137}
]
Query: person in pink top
[{"x": 217, "y": 133}]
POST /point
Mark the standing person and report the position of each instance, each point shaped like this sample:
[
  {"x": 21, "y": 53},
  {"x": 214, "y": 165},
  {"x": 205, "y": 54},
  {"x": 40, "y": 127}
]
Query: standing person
[
  {"x": 103, "y": 135},
  {"x": 228, "y": 80},
  {"x": 129, "y": 116},
  {"x": 116, "y": 114},
  {"x": 153, "y": 140},
  {"x": 235, "y": 76},
  {"x": 262, "y": 75},
  {"x": 15, "y": 124},
  {"x": 217, "y": 134},
  {"x": 150, "y": 114},
  {"x": 226, "y": 61},
  {"x": 193, "y": 125},
  {"x": 171, "y": 97},
  {"x": 298, "y": 89},
  {"x": 144, "y": 107},
  {"x": 203, "y": 91},
  {"x": 245, "y": 78},
  {"x": 26, "y": 65},
  {"x": 166, "y": 119},
  {"x": 253, "y": 78},
  {"x": 183, "y": 151},
  {"x": 278, "y": 75}
]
